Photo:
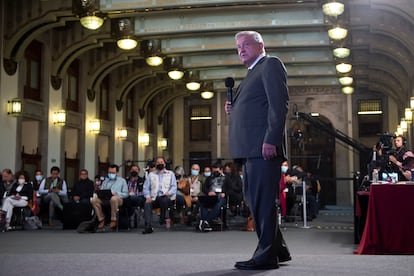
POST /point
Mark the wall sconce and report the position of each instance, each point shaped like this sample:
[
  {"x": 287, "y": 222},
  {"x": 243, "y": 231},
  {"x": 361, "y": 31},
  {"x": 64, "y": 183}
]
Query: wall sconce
[
  {"x": 346, "y": 81},
  {"x": 122, "y": 133},
  {"x": 95, "y": 126},
  {"x": 59, "y": 117},
  {"x": 412, "y": 102},
  {"x": 207, "y": 90},
  {"x": 337, "y": 33},
  {"x": 144, "y": 139},
  {"x": 14, "y": 107},
  {"x": 124, "y": 31},
  {"x": 151, "y": 50},
  {"x": 193, "y": 80},
  {"x": 174, "y": 67},
  {"x": 163, "y": 143},
  {"x": 408, "y": 115},
  {"x": 399, "y": 131},
  {"x": 333, "y": 8},
  {"x": 88, "y": 12}
]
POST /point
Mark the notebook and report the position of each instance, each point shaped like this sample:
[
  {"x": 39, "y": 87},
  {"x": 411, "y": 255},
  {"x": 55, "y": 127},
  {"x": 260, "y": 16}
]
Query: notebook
[{"x": 104, "y": 194}]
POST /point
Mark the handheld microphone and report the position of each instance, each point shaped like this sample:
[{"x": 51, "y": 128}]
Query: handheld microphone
[{"x": 229, "y": 82}]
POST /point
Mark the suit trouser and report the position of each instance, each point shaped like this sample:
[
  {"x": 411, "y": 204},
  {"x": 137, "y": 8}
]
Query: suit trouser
[
  {"x": 261, "y": 186},
  {"x": 161, "y": 202},
  {"x": 115, "y": 202},
  {"x": 54, "y": 200}
]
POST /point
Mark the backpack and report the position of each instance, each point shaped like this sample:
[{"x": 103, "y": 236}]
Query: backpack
[{"x": 88, "y": 226}]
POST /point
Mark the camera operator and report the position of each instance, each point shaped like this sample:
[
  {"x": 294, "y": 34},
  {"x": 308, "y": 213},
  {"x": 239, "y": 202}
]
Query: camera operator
[{"x": 396, "y": 157}]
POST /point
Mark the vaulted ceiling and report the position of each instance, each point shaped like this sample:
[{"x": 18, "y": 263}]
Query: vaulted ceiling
[{"x": 381, "y": 38}]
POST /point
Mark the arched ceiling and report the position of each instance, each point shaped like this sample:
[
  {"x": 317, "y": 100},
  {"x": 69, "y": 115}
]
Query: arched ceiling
[{"x": 202, "y": 32}]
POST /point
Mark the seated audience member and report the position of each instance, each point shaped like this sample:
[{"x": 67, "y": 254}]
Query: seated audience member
[
  {"x": 83, "y": 188},
  {"x": 119, "y": 190},
  {"x": 234, "y": 185},
  {"x": 38, "y": 178},
  {"x": 160, "y": 188},
  {"x": 7, "y": 183},
  {"x": 20, "y": 193},
  {"x": 213, "y": 198},
  {"x": 196, "y": 181},
  {"x": 283, "y": 188},
  {"x": 407, "y": 165},
  {"x": 135, "y": 190},
  {"x": 53, "y": 190},
  {"x": 98, "y": 182},
  {"x": 183, "y": 188}
]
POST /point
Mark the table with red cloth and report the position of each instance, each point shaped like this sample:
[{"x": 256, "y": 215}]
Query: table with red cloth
[{"x": 389, "y": 228}]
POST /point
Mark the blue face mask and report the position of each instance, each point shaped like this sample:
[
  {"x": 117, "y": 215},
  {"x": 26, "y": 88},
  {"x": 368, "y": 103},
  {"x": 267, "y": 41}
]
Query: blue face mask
[
  {"x": 39, "y": 177},
  {"x": 112, "y": 176},
  {"x": 207, "y": 174},
  {"x": 284, "y": 169},
  {"x": 194, "y": 172}
]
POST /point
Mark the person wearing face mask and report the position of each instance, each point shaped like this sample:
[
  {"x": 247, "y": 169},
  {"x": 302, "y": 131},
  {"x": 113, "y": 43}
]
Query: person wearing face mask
[
  {"x": 207, "y": 171},
  {"x": 213, "y": 198},
  {"x": 193, "y": 185},
  {"x": 36, "y": 195},
  {"x": 20, "y": 193},
  {"x": 119, "y": 190},
  {"x": 160, "y": 188},
  {"x": 283, "y": 189},
  {"x": 54, "y": 192}
]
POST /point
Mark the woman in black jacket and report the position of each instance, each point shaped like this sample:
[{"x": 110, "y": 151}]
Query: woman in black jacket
[{"x": 20, "y": 193}]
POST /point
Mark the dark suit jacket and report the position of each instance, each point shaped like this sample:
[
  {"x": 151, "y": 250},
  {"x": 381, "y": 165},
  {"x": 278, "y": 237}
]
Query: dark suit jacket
[{"x": 259, "y": 110}]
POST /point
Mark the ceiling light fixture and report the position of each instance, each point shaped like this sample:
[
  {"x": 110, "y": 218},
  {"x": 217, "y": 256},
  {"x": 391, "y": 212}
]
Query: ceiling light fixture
[
  {"x": 346, "y": 81},
  {"x": 88, "y": 12},
  {"x": 333, "y": 8},
  {"x": 124, "y": 32},
  {"x": 337, "y": 33},
  {"x": 343, "y": 67},
  {"x": 173, "y": 65},
  {"x": 151, "y": 50},
  {"x": 207, "y": 90},
  {"x": 348, "y": 90},
  {"x": 192, "y": 80},
  {"x": 341, "y": 52}
]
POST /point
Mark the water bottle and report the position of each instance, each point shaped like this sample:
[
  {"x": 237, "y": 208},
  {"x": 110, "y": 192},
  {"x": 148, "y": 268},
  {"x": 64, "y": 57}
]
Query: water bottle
[{"x": 375, "y": 176}]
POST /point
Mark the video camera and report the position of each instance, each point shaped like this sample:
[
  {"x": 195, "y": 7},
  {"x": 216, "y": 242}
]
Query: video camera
[{"x": 385, "y": 143}]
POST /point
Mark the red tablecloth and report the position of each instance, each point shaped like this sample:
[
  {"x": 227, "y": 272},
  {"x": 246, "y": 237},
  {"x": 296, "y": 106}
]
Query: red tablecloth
[{"x": 389, "y": 227}]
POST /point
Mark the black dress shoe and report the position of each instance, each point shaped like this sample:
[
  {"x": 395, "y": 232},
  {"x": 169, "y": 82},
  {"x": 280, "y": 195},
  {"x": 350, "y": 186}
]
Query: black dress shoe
[
  {"x": 252, "y": 265},
  {"x": 148, "y": 230},
  {"x": 283, "y": 259}
]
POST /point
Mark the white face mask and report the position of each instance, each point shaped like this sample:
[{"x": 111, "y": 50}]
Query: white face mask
[
  {"x": 21, "y": 181},
  {"x": 284, "y": 169}
]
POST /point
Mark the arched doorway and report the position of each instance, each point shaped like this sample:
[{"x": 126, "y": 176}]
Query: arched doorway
[{"x": 314, "y": 150}]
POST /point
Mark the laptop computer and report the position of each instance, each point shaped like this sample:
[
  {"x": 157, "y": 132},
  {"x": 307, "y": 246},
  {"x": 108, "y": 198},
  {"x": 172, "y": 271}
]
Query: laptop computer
[{"x": 104, "y": 194}]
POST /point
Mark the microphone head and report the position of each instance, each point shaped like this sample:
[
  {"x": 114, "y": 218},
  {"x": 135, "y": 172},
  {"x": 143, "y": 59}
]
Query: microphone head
[{"x": 229, "y": 82}]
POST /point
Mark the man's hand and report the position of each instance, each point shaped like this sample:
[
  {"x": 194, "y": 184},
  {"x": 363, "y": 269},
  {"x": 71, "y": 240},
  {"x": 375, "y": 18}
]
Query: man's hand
[
  {"x": 227, "y": 107},
  {"x": 76, "y": 198},
  {"x": 148, "y": 200},
  {"x": 212, "y": 193},
  {"x": 268, "y": 151}
]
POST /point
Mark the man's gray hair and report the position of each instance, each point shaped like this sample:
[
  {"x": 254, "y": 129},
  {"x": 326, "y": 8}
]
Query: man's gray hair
[{"x": 255, "y": 35}]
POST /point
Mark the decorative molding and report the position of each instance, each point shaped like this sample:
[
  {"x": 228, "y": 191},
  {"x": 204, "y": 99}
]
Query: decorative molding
[
  {"x": 119, "y": 105},
  {"x": 10, "y": 66},
  {"x": 91, "y": 95},
  {"x": 300, "y": 91},
  {"x": 56, "y": 82}
]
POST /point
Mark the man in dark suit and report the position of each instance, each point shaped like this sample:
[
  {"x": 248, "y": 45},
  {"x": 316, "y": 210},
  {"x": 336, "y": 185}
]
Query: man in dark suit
[{"x": 256, "y": 126}]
